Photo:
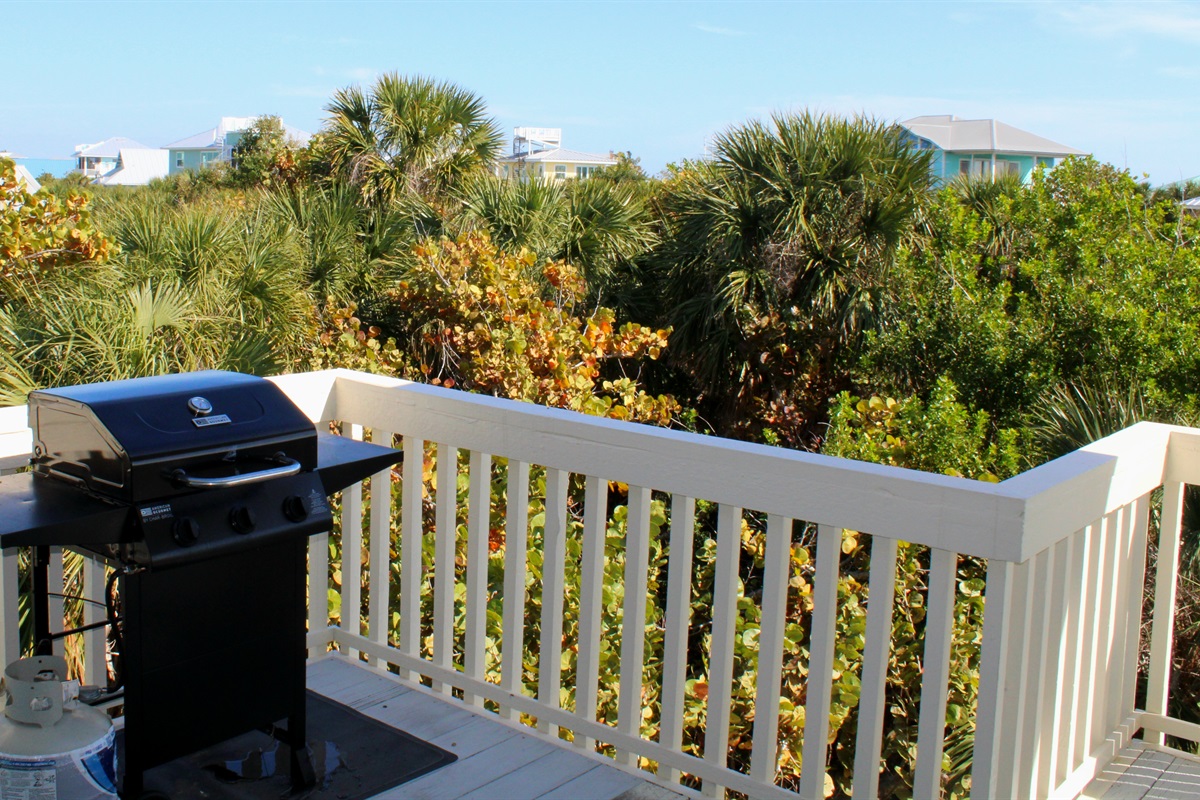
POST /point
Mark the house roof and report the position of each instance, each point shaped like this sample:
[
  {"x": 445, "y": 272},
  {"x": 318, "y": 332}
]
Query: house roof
[
  {"x": 562, "y": 154},
  {"x": 109, "y": 148},
  {"x": 984, "y": 136},
  {"x": 214, "y": 138},
  {"x": 137, "y": 167},
  {"x": 31, "y": 184},
  {"x": 1191, "y": 204}
]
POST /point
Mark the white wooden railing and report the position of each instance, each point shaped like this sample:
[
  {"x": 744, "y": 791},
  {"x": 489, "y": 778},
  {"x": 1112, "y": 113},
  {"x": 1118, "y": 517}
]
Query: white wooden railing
[{"x": 1065, "y": 547}]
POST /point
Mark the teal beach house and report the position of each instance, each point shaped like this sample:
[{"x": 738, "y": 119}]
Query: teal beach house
[
  {"x": 983, "y": 148},
  {"x": 216, "y": 144}
]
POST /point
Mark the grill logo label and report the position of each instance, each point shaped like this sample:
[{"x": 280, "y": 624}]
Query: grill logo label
[
  {"x": 218, "y": 419},
  {"x": 157, "y": 512}
]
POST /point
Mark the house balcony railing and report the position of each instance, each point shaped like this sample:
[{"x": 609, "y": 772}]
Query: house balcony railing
[{"x": 1065, "y": 547}]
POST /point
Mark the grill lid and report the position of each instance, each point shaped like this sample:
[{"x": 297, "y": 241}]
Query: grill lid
[{"x": 124, "y": 439}]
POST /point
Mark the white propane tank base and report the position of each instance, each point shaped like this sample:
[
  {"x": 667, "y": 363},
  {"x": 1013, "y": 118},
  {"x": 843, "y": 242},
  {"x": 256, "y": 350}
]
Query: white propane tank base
[{"x": 52, "y": 747}]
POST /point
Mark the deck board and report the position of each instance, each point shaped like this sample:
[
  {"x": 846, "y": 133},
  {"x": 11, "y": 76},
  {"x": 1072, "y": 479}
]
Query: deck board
[
  {"x": 1145, "y": 772},
  {"x": 495, "y": 758}
]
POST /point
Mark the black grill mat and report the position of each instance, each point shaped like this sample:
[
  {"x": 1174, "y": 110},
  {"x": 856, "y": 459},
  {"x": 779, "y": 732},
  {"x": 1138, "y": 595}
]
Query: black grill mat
[{"x": 368, "y": 756}]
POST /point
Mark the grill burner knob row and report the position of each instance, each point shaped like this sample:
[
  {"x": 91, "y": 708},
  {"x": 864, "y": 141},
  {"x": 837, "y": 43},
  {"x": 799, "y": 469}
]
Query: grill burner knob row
[
  {"x": 294, "y": 508},
  {"x": 186, "y": 531},
  {"x": 242, "y": 519}
]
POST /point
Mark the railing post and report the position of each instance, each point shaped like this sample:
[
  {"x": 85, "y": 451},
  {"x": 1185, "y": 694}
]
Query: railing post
[{"x": 1162, "y": 632}]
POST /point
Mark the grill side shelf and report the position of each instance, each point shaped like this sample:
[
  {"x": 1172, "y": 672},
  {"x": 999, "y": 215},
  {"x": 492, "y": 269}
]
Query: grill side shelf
[
  {"x": 40, "y": 512},
  {"x": 342, "y": 461}
]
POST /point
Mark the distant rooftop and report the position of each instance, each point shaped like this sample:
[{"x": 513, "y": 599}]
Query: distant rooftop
[
  {"x": 137, "y": 166},
  {"x": 215, "y": 137},
  {"x": 984, "y": 136},
  {"x": 109, "y": 148},
  {"x": 562, "y": 154}
]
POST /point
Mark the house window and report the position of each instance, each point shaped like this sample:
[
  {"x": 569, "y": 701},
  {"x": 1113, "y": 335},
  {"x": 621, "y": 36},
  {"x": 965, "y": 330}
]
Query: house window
[
  {"x": 179, "y": 159},
  {"x": 975, "y": 167},
  {"x": 560, "y": 172},
  {"x": 585, "y": 172},
  {"x": 1007, "y": 168},
  {"x": 207, "y": 157}
]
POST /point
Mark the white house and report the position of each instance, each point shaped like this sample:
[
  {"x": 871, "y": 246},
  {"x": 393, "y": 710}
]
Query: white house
[
  {"x": 136, "y": 166},
  {"x": 94, "y": 160}
]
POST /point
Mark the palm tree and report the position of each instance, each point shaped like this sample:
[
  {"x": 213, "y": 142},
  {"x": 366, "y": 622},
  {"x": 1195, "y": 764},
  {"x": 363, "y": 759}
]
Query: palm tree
[
  {"x": 778, "y": 249},
  {"x": 594, "y": 225},
  {"x": 408, "y": 136}
]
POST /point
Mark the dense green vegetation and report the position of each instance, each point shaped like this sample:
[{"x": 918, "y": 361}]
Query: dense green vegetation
[{"x": 807, "y": 286}]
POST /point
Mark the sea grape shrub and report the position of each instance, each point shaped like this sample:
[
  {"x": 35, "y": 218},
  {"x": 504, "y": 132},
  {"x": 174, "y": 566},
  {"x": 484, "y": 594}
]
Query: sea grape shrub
[
  {"x": 40, "y": 232},
  {"x": 468, "y": 315}
]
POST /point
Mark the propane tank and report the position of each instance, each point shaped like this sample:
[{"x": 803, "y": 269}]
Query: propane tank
[{"x": 52, "y": 747}]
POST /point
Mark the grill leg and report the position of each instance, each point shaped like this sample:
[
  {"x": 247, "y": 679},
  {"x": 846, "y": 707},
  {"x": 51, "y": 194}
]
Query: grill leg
[
  {"x": 42, "y": 644},
  {"x": 303, "y": 772}
]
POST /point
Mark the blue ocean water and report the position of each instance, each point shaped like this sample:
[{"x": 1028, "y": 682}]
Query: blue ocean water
[{"x": 58, "y": 167}]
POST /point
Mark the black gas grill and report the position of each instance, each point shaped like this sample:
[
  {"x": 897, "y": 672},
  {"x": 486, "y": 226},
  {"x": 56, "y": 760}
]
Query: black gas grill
[{"x": 201, "y": 489}]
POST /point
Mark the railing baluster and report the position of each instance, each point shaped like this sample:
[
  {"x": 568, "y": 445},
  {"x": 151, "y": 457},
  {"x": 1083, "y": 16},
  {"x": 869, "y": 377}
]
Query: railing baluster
[
  {"x": 1114, "y": 678},
  {"x": 776, "y": 567},
  {"x": 820, "y": 665},
  {"x": 1060, "y": 666},
  {"x": 95, "y": 668},
  {"x": 1031, "y": 671},
  {"x": 445, "y": 539},
  {"x": 591, "y": 584},
  {"x": 881, "y": 593},
  {"x": 1162, "y": 632},
  {"x": 1012, "y": 711},
  {"x": 939, "y": 631},
  {"x": 990, "y": 758},
  {"x": 1092, "y": 651},
  {"x": 1082, "y": 603},
  {"x": 1140, "y": 523},
  {"x": 478, "y": 527},
  {"x": 554, "y": 551},
  {"x": 352, "y": 506},
  {"x": 516, "y": 535},
  {"x": 411, "y": 535},
  {"x": 1113, "y": 574},
  {"x": 633, "y": 618},
  {"x": 1043, "y": 668},
  {"x": 677, "y": 623},
  {"x": 720, "y": 653},
  {"x": 379, "y": 577}
]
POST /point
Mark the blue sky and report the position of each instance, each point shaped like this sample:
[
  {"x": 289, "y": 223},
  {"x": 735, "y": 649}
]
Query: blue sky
[{"x": 1121, "y": 80}]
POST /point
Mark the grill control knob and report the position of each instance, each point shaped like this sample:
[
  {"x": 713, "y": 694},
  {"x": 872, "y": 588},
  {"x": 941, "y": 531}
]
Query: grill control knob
[
  {"x": 294, "y": 508},
  {"x": 242, "y": 519},
  {"x": 186, "y": 531}
]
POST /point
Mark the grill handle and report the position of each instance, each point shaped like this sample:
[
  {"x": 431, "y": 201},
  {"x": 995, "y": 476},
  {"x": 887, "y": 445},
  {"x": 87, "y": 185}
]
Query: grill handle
[{"x": 287, "y": 466}]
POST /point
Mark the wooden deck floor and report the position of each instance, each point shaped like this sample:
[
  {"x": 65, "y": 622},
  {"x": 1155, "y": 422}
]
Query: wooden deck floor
[
  {"x": 500, "y": 760},
  {"x": 495, "y": 759},
  {"x": 1145, "y": 772}
]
